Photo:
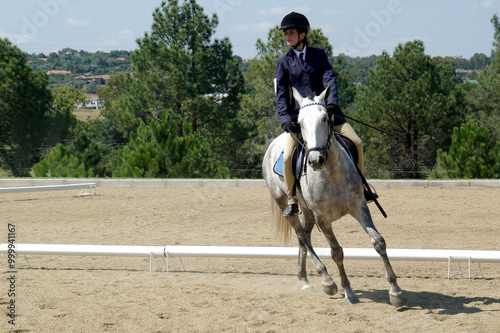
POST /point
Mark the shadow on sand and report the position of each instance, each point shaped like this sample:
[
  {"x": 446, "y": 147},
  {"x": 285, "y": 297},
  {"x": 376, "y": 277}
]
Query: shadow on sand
[{"x": 436, "y": 303}]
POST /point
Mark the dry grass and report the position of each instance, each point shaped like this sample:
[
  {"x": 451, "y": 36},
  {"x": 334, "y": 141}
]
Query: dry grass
[{"x": 86, "y": 114}]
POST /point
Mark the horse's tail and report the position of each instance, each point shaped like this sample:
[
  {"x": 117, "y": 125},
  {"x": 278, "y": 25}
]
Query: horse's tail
[{"x": 282, "y": 227}]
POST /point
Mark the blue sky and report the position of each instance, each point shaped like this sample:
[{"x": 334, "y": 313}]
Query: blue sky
[{"x": 355, "y": 27}]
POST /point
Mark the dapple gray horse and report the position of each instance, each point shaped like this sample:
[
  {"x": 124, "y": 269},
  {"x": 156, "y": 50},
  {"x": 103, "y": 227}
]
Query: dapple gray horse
[{"x": 330, "y": 189}]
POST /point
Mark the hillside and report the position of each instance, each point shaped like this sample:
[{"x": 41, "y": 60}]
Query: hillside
[{"x": 87, "y": 70}]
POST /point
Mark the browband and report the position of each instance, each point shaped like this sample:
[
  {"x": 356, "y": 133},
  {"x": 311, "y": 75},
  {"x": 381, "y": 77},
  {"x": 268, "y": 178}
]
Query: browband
[{"x": 314, "y": 103}]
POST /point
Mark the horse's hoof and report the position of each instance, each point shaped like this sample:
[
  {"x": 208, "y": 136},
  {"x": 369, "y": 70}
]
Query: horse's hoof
[
  {"x": 307, "y": 289},
  {"x": 330, "y": 289},
  {"x": 351, "y": 298},
  {"x": 397, "y": 300}
]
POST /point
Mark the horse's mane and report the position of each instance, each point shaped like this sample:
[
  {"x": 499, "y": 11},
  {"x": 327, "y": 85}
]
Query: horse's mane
[{"x": 311, "y": 96}]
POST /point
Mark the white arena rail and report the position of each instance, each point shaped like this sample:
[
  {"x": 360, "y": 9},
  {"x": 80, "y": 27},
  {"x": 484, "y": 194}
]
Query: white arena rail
[
  {"x": 87, "y": 250},
  {"x": 324, "y": 253},
  {"x": 179, "y": 251},
  {"x": 48, "y": 188},
  {"x": 469, "y": 256}
]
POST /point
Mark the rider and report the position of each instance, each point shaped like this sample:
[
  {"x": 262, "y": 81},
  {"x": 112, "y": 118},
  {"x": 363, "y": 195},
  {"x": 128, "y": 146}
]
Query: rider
[{"x": 309, "y": 71}]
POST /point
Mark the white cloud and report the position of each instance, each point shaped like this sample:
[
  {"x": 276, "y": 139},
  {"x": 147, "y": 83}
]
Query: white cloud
[
  {"x": 121, "y": 39},
  {"x": 263, "y": 26},
  {"x": 124, "y": 34},
  {"x": 487, "y": 3},
  {"x": 14, "y": 38},
  {"x": 73, "y": 21},
  {"x": 483, "y": 4}
]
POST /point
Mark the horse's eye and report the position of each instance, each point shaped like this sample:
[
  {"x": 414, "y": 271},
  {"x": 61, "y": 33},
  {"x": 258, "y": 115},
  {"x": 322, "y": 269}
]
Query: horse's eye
[{"x": 324, "y": 119}]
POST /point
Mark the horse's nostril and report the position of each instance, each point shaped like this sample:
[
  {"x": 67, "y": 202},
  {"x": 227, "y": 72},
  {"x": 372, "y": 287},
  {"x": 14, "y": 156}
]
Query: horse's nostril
[{"x": 321, "y": 160}]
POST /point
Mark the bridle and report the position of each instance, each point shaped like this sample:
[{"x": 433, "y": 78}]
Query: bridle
[{"x": 323, "y": 150}]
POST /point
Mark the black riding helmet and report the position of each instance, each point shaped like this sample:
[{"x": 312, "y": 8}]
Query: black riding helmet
[{"x": 297, "y": 21}]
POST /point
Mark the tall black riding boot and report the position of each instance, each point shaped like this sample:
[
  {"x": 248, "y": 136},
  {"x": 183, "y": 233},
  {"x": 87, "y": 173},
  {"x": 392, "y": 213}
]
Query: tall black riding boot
[{"x": 292, "y": 207}]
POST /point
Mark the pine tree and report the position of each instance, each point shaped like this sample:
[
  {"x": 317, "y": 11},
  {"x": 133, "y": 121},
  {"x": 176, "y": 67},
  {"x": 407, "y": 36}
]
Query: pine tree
[
  {"x": 471, "y": 155},
  {"x": 63, "y": 120},
  {"x": 25, "y": 104},
  {"x": 161, "y": 151},
  {"x": 80, "y": 157},
  {"x": 485, "y": 96},
  {"x": 180, "y": 69},
  {"x": 411, "y": 95},
  {"x": 61, "y": 163}
]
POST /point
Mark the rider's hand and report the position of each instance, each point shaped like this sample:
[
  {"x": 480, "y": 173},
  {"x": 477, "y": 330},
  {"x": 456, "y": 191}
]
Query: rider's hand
[
  {"x": 291, "y": 127},
  {"x": 334, "y": 109}
]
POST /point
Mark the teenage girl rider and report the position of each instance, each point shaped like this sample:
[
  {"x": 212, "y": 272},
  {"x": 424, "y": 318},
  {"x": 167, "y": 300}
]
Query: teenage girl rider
[{"x": 309, "y": 71}]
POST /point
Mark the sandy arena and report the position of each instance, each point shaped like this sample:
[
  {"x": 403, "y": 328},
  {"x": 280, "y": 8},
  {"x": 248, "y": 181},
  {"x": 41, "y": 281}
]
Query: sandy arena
[{"x": 115, "y": 294}]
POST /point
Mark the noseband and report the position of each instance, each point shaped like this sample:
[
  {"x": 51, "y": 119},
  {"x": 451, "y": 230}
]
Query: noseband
[{"x": 323, "y": 150}]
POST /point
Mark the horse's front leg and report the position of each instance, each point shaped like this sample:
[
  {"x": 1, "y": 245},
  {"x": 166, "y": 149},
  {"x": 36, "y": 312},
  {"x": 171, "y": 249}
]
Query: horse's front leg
[
  {"x": 396, "y": 296},
  {"x": 304, "y": 239},
  {"x": 338, "y": 258}
]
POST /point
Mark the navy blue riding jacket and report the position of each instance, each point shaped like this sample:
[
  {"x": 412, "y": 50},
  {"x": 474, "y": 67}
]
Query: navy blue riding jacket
[{"x": 312, "y": 77}]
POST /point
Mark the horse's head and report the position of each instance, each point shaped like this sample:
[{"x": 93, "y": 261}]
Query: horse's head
[{"x": 315, "y": 126}]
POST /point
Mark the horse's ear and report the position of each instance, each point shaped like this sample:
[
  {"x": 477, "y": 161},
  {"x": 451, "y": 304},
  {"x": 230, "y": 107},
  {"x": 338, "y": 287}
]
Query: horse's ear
[
  {"x": 298, "y": 97},
  {"x": 324, "y": 95}
]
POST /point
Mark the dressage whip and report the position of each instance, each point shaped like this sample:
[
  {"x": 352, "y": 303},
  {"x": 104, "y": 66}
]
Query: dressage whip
[{"x": 395, "y": 136}]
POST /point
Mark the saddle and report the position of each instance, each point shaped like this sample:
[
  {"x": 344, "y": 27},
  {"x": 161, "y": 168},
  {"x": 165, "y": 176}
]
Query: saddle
[{"x": 299, "y": 154}]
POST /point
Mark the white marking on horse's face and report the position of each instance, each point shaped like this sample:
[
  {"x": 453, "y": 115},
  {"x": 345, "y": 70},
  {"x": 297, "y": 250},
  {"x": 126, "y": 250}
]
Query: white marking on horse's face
[
  {"x": 313, "y": 122},
  {"x": 315, "y": 128}
]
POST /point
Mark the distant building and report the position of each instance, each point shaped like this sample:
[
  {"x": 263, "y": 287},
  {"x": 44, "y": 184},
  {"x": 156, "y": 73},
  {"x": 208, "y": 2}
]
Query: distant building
[
  {"x": 92, "y": 101},
  {"x": 58, "y": 72},
  {"x": 98, "y": 79},
  {"x": 462, "y": 72}
]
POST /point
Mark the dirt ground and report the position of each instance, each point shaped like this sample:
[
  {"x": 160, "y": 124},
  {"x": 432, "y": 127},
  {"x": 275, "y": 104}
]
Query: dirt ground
[{"x": 116, "y": 294}]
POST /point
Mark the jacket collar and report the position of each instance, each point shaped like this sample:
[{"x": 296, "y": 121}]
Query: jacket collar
[
  {"x": 293, "y": 60},
  {"x": 291, "y": 51},
  {"x": 304, "y": 51}
]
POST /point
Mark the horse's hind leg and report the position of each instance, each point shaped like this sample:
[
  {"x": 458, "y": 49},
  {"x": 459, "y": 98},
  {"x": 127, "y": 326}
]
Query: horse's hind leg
[
  {"x": 302, "y": 272},
  {"x": 308, "y": 225},
  {"x": 396, "y": 296},
  {"x": 338, "y": 257}
]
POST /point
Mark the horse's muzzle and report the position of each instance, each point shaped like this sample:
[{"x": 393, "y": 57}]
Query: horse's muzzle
[{"x": 317, "y": 159}]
